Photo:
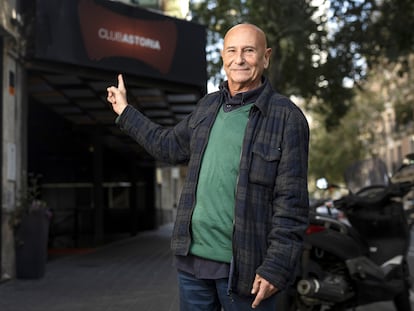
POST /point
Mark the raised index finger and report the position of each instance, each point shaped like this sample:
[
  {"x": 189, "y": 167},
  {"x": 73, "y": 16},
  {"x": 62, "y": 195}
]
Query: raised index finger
[{"x": 121, "y": 85}]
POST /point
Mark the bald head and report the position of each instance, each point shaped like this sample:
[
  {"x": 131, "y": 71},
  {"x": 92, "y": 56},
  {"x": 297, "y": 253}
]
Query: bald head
[
  {"x": 245, "y": 56},
  {"x": 251, "y": 28}
]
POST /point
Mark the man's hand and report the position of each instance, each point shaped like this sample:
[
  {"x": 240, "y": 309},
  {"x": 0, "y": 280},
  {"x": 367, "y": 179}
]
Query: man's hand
[
  {"x": 262, "y": 289},
  {"x": 117, "y": 96}
]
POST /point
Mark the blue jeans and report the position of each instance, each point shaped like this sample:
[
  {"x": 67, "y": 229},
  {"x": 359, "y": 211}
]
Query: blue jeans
[{"x": 211, "y": 295}]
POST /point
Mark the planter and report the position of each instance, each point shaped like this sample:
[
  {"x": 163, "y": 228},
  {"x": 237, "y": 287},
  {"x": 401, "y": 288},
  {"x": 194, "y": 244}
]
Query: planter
[{"x": 31, "y": 245}]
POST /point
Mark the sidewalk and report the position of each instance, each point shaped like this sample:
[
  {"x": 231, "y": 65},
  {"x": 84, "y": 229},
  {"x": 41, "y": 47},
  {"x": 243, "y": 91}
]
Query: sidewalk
[
  {"x": 132, "y": 274},
  {"x": 129, "y": 275}
]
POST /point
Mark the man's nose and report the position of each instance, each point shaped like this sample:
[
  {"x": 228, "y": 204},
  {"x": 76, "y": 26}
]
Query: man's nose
[{"x": 239, "y": 58}]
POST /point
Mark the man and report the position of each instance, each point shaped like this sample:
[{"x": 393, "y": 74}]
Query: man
[{"x": 244, "y": 205}]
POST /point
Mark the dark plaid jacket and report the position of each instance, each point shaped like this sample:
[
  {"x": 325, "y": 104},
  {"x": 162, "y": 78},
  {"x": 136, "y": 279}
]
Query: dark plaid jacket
[{"x": 271, "y": 208}]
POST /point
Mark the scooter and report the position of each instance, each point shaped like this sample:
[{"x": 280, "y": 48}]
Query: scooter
[{"x": 344, "y": 266}]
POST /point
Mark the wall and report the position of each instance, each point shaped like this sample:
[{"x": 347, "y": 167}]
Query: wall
[
  {"x": 170, "y": 181},
  {"x": 12, "y": 138}
]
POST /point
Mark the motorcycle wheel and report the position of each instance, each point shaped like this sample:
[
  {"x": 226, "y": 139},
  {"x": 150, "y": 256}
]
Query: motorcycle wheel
[{"x": 402, "y": 300}]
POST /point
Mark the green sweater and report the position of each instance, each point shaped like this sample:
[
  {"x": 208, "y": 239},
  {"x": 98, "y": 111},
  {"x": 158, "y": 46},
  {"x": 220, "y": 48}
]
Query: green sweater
[{"x": 212, "y": 220}]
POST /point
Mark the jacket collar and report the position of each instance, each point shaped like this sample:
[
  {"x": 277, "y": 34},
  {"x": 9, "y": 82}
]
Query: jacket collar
[
  {"x": 262, "y": 102},
  {"x": 259, "y": 96},
  {"x": 239, "y": 99}
]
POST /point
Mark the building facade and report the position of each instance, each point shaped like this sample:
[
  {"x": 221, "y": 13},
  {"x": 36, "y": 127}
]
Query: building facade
[
  {"x": 57, "y": 59},
  {"x": 394, "y": 128},
  {"x": 11, "y": 125}
]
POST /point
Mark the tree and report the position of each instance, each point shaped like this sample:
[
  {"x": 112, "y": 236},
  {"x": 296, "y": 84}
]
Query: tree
[
  {"x": 315, "y": 51},
  {"x": 366, "y": 128},
  {"x": 324, "y": 53},
  {"x": 389, "y": 31},
  {"x": 297, "y": 34},
  {"x": 353, "y": 139},
  {"x": 367, "y": 32}
]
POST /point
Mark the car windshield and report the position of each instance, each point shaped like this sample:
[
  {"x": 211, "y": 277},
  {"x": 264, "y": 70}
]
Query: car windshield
[{"x": 366, "y": 173}]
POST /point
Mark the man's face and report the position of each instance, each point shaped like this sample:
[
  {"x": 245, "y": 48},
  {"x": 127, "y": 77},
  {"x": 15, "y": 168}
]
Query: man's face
[{"x": 245, "y": 57}]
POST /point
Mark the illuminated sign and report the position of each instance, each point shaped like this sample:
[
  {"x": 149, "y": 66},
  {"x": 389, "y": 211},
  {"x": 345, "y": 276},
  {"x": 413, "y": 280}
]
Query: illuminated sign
[
  {"x": 108, "y": 34},
  {"x": 113, "y": 36}
]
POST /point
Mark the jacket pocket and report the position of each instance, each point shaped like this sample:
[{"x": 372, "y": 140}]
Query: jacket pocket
[{"x": 264, "y": 164}]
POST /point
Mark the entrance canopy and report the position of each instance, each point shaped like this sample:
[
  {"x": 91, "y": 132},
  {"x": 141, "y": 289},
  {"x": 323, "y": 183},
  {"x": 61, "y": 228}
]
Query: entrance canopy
[{"x": 80, "y": 47}]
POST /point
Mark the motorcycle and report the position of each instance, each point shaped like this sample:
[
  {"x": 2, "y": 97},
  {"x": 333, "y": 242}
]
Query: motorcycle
[{"x": 344, "y": 266}]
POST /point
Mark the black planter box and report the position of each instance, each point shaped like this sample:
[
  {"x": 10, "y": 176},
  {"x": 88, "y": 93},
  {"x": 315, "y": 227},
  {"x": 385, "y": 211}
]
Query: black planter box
[{"x": 31, "y": 247}]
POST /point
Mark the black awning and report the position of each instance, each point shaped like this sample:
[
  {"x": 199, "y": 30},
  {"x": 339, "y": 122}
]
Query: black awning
[
  {"x": 79, "y": 96},
  {"x": 80, "y": 46},
  {"x": 113, "y": 36}
]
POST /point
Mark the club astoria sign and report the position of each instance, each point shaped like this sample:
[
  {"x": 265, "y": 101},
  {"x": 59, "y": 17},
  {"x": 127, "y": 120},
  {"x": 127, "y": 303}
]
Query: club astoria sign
[
  {"x": 109, "y": 34},
  {"x": 113, "y": 36},
  {"x": 132, "y": 39}
]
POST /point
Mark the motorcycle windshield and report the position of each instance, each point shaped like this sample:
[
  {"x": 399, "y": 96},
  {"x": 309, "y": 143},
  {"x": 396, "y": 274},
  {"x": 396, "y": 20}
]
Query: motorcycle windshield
[
  {"x": 366, "y": 173},
  {"x": 404, "y": 174}
]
